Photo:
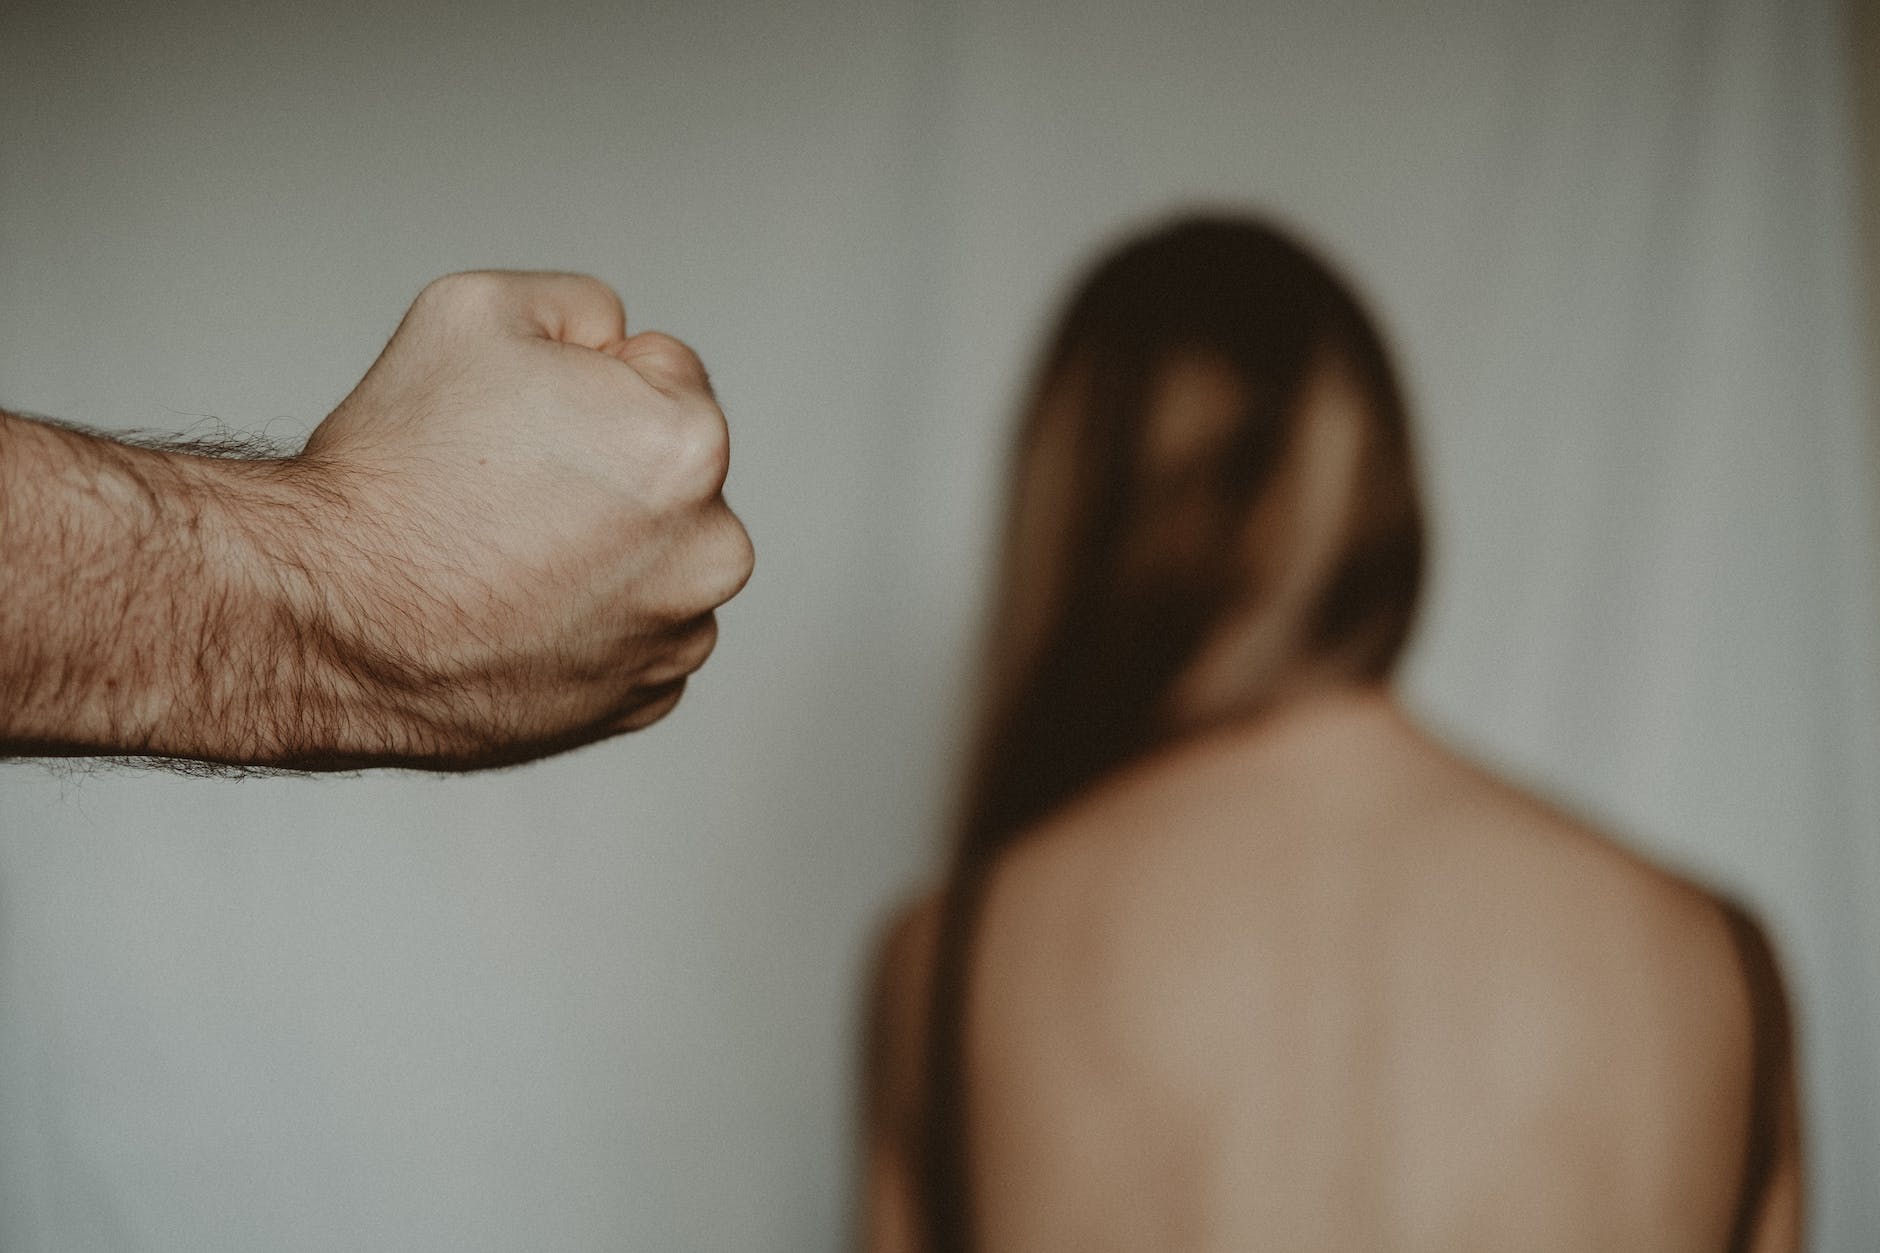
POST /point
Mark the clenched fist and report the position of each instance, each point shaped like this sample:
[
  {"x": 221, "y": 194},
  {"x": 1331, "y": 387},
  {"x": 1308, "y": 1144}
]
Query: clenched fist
[
  {"x": 508, "y": 540},
  {"x": 531, "y": 500}
]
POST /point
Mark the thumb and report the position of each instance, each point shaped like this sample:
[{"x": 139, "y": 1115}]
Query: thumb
[{"x": 663, "y": 361}]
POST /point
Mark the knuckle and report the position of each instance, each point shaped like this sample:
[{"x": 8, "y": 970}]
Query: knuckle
[
  {"x": 747, "y": 557},
  {"x": 464, "y": 289},
  {"x": 691, "y": 450},
  {"x": 734, "y": 561},
  {"x": 715, "y": 566},
  {"x": 704, "y": 456},
  {"x": 651, "y": 710},
  {"x": 703, "y": 642},
  {"x": 462, "y": 299}
]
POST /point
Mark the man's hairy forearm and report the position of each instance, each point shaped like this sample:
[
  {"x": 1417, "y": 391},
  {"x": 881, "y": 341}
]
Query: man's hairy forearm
[
  {"x": 158, "y": 603},
  {"x": 509, "y": 539}
]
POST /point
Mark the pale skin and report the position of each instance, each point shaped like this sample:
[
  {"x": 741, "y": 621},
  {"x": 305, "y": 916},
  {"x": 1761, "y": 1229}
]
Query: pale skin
[
  {"x": 509, "y": 540},
  {"x": 1313, "y": 982}
]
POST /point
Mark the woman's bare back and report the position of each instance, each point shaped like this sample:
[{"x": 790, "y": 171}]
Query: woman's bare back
[{"x": 1316, "y": 983}]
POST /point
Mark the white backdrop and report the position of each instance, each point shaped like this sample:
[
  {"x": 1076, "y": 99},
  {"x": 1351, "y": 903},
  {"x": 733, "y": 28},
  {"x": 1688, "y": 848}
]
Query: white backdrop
[{"x": 605, "y": 1002}]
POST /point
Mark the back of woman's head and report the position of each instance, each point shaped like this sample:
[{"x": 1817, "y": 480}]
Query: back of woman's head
[{"x": 1213, "y": 507}]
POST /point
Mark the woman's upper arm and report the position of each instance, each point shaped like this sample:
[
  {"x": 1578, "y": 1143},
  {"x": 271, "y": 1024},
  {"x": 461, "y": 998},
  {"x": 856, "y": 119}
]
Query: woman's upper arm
[
  {"x": 1777, "y": 1224},
  {"x": 1769, "y": 1218},
  {"x": 893, "y": 1045}
]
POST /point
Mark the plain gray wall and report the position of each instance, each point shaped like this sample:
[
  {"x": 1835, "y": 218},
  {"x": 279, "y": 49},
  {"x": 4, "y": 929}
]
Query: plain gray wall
[{"x": 606, "y": 1002}]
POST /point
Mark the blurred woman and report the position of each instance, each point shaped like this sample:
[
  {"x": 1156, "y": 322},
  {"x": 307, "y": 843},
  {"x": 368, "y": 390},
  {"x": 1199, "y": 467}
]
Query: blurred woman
[{"x": 1232, "y": 954}]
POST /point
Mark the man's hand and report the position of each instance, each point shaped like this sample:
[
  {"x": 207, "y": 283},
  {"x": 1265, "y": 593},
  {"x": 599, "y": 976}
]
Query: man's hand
[
  {"x": 508, "y": 540},
  {"x": 528, "y": 501}
]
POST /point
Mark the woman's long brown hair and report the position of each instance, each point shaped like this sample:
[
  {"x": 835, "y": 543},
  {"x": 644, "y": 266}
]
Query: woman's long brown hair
[{"x": 1094, "y": 650}]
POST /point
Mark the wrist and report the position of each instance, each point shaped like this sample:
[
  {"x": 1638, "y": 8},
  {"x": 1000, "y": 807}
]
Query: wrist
[
  {"x": 372, "y": 666},
  {"x": 325, "y": 688}
]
